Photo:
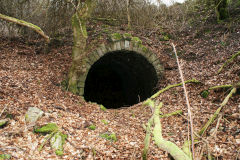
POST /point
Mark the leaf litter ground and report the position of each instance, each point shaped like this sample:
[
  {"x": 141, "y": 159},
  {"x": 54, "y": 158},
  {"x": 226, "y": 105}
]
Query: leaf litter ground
[{"x": 28, "y": 79}]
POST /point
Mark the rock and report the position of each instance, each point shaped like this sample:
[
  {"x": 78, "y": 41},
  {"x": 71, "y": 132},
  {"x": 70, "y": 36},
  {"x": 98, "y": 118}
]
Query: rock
[
  {"x": 238, "y": 141},
  {"x": 33, "y": 114}
]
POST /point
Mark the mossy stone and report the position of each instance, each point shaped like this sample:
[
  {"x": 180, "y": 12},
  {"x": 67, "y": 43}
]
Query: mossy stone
[
  {"x": 136, "y": 40},
  {"x": 116, "y": 37},
  {"x": 48, "y": 128},
  {"x": 127, "y": 36}
]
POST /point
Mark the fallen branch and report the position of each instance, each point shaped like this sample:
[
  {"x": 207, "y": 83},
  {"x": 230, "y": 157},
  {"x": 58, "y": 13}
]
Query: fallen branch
[
  {"x": 229, "y": 61},
  {"x": 176, "y": 152},
  {"x": 171, "y": 114},
  {"x": 215, "y": 115},
  {"x": 147, "y": 138},
  {"x": 168, "y": 146},
  {"x": 172, "y": 86},
  {"x": 217, "y": 126},
  {"x": 222, "y": 86},
  {"x": 26, "y": 24},
  {"x": 103, "y": 19}
]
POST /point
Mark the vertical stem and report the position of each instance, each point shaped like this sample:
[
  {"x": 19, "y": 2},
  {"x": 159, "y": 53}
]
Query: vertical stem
[
  {"x": 128, "y": 14},
  {"x": 186, "y": 96}
]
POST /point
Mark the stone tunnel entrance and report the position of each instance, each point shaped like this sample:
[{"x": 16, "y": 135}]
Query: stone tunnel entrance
[{"x": 120, "y": 78}]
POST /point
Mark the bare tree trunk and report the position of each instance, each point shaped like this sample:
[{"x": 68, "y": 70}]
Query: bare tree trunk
[
  {"x": 222, "y": 9},
  {"x": 128, "y": 14},
  {"x": 79, "y": 19}
]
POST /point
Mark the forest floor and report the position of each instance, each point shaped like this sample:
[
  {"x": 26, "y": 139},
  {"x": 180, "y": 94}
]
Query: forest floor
[{"x": 28, "y": 80}]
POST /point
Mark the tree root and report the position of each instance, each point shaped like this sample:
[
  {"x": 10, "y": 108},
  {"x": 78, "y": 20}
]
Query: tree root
[
  {"x": 168, "y": 146},
  {"x": 176, "y": 152},
  {"x": 147, "y": 138}
]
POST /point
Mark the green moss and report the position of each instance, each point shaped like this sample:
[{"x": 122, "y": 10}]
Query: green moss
[
  {"x": 104, "y": 121},
  {"x": 64, "y": 84},
  {"x": 48, "y": 128},
  {"x": 73, "y": 88},
  {"x": 109, "y": 136},
  {"x": 116, "y": 37},
  {"x": 9, "y": 115},
  {"x": 166, "y": 38},
  {"x": 204, "y": 93},
  {"x": 79, "y": 25},
  {"x": 55, "y": 140},
  {"x": 144, "y": 49},
  {"x": 92, "y": 127},
  {"x": 5, "y": 156},
  {"x": 127, "y": 36},
  {"x": 59, "y": 152},
  {"x": 3, "y": 123},
  {"x": 136, "y": 40},
  {"x": 103, "y": 108},
  {"x": 133, "y": 115},
  {"x": 94, "y": 152}
]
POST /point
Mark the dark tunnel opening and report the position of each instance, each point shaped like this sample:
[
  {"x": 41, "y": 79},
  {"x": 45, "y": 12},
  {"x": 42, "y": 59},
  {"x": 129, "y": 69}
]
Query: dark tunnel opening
[{"x": 120, "y": 78}]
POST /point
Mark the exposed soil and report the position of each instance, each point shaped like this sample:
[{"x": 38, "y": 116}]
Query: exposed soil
[{"x": 29, "y": 79}]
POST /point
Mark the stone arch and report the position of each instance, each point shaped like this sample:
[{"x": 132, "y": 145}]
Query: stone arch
[{"x": 122, "y": 44}]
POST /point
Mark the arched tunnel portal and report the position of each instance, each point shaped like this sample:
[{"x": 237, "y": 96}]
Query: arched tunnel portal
[
  {"x": 120, "y": 78},
  {"x": 120, "y": 74}
]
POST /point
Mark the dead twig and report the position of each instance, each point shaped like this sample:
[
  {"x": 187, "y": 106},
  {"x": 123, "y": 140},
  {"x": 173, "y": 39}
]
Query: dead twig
[
  {"x": 217, "y": 126},
  {"x": 186, "y": 96}
]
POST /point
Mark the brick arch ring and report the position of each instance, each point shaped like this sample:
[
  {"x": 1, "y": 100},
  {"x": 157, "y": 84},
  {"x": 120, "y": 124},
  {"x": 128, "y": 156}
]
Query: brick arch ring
[{"x": 130, "y": 46}]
